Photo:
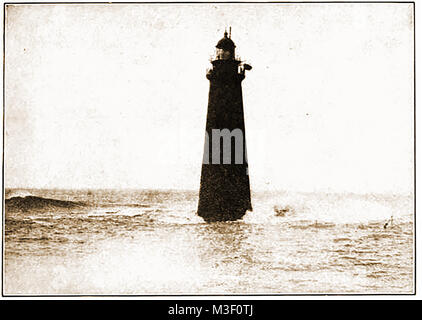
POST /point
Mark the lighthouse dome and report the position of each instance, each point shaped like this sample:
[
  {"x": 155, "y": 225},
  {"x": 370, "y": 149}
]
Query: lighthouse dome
[{"x": 225, "y": 43}]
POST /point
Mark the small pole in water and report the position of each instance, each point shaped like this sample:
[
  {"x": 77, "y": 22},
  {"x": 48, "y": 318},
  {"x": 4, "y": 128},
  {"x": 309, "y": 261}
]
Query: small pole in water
[{"x": 390, "y": 221}]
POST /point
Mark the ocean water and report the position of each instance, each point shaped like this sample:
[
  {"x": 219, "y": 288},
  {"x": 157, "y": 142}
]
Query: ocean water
[{"x": 143, "y": 242}]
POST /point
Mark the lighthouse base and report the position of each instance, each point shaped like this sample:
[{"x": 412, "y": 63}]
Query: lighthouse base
[
  {"x": 212, "y": 216},
  {"x": 224, "y": 193}
]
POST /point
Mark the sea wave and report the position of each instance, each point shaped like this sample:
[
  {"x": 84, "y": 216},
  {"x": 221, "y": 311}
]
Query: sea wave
[{"x": 32, "y": 202}]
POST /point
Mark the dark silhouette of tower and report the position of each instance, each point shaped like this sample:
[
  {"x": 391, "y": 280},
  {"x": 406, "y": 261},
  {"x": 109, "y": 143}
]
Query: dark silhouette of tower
[{"x": 225, "y": 191}]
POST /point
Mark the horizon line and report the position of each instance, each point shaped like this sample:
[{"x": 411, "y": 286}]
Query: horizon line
[{"x": 412, "y": 193}]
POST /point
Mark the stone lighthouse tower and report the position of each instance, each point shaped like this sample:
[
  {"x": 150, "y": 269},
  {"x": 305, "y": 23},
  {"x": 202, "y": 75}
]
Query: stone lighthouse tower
[{"x": 225, "y": 192}]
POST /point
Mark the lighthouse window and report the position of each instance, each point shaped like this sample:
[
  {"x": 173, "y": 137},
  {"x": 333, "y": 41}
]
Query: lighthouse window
[
  {"x": 226, "y": 55},
  {"x": 223, "y": 54}
]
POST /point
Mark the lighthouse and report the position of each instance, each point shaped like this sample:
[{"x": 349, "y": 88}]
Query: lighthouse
[{"x": 224, "y": 193}]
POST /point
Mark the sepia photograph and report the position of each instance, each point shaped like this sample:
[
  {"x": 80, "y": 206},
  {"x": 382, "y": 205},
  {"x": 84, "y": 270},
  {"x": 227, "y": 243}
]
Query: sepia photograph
[{"x": 200, "y": 149}]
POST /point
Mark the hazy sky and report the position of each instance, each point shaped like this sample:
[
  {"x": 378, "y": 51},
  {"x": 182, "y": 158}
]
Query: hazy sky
[{"x": 110, "y": 96}]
